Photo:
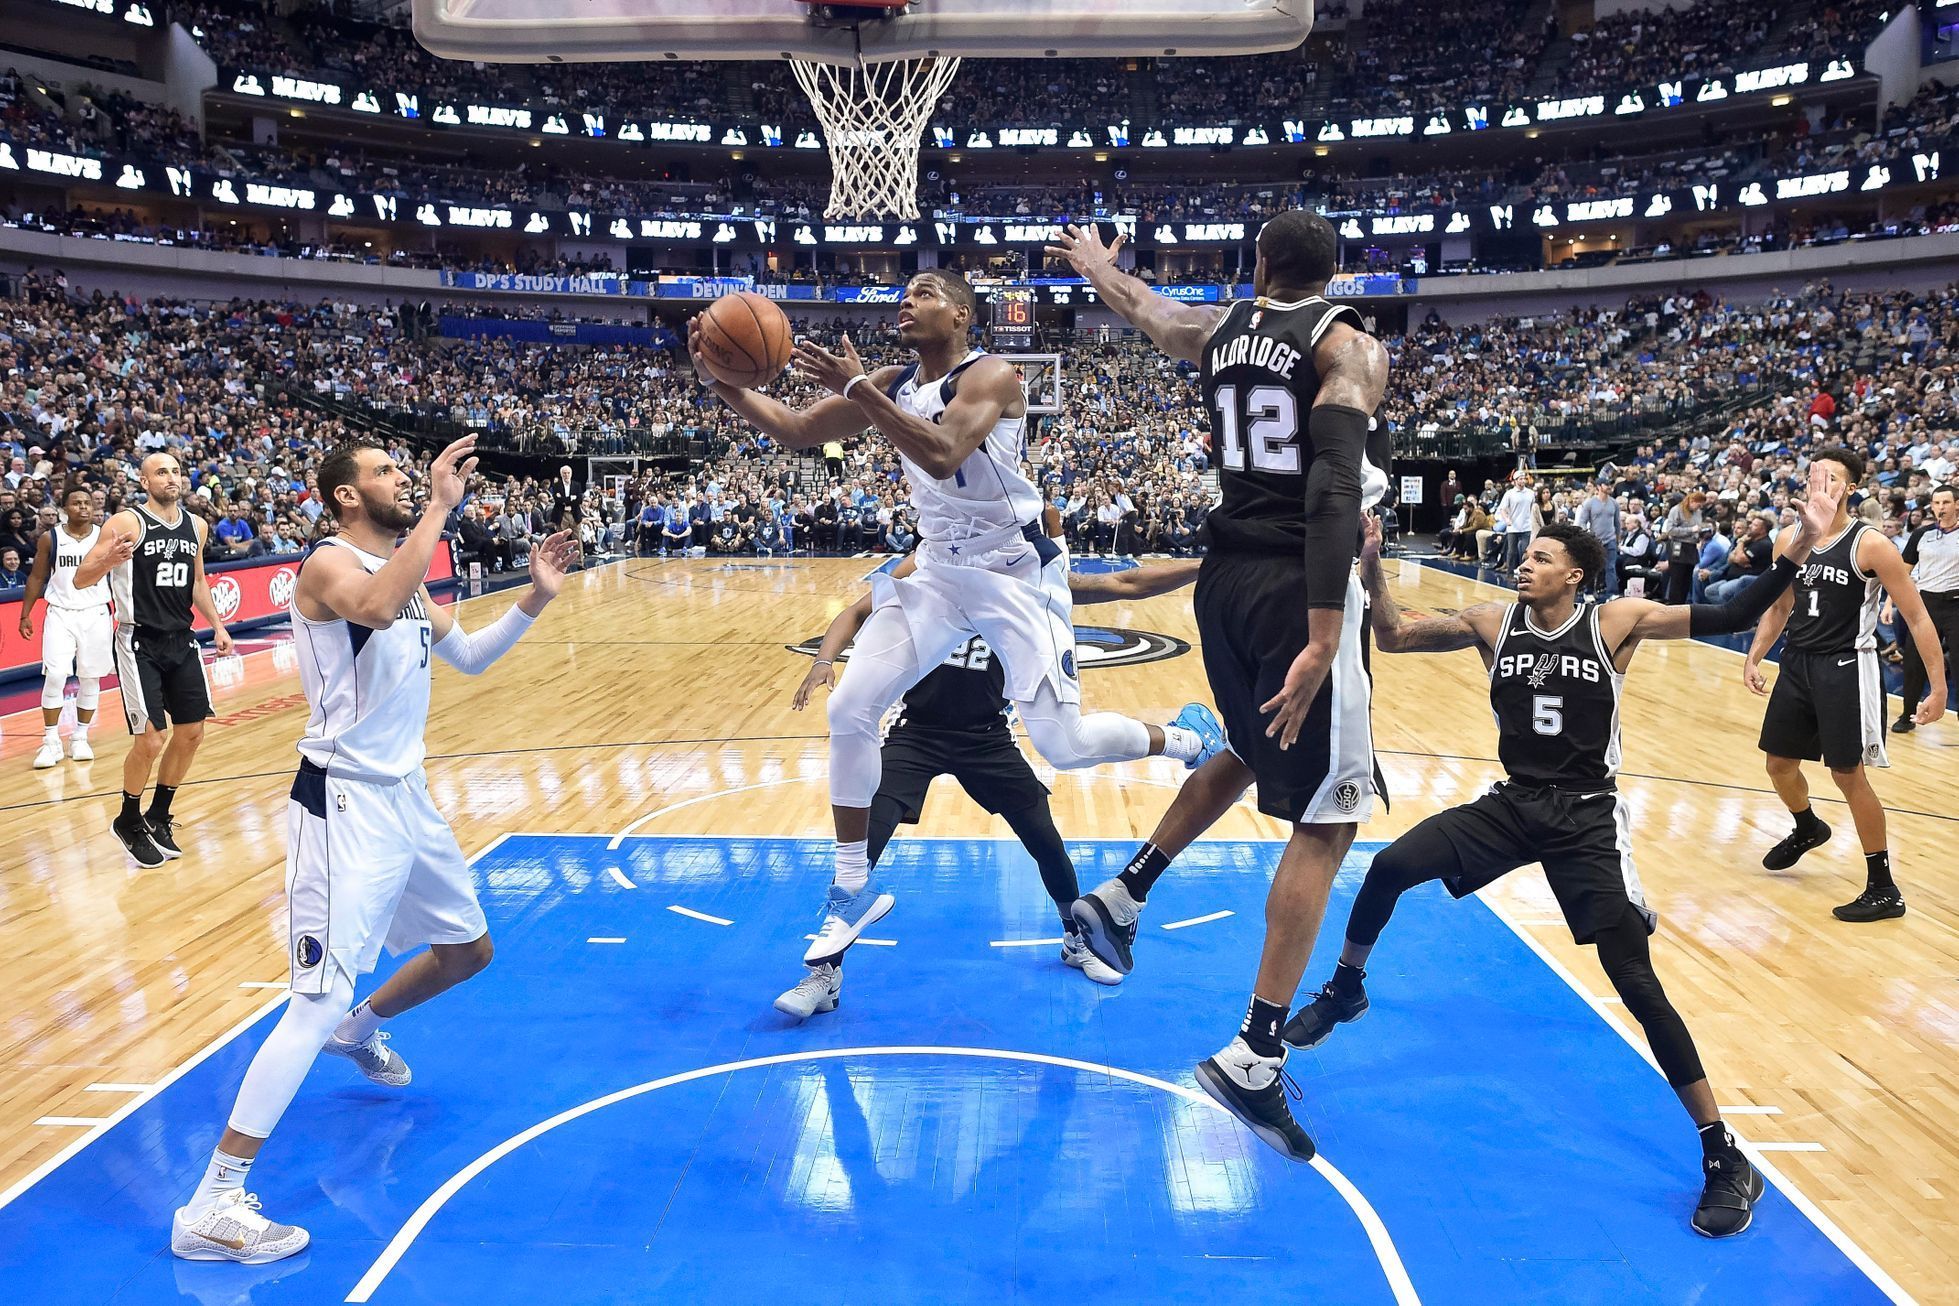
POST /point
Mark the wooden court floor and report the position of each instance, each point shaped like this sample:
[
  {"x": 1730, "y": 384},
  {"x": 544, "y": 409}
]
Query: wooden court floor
[{"x": 655, "y": 694}]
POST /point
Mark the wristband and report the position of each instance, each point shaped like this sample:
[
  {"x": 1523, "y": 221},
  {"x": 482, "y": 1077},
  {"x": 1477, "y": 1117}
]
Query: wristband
[
  {"x": 822, "y": 662},
  {"x": 861, "y": 376}
]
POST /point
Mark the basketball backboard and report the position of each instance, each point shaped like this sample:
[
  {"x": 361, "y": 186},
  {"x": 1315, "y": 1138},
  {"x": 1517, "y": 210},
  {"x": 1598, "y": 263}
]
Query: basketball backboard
[{"x": 538, "y": 31}]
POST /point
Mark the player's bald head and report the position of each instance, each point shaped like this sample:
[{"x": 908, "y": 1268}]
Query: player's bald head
[{"x": 158, "y": 462}]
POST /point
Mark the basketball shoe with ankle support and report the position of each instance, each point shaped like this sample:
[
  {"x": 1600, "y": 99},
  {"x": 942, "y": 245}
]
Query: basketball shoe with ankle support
[
  {"x": 1203, "y": 723},
  {"x": 231, "y": 1229},
  {"x": 379, "y": 1062},
  {"x": 134, "y": 835},
  {"x": 163, "y": 833},
  {"x": 1075, "y": 952},
  {"x": 845, "y": 917},
  {"x": 1254, "y": 1089},
  {"x": 1793, "y": 846},
  {"x": 78, "y": 747},
  {"x": 817, "y": 992},
  {"x": 1728, "y": 1197},
  {"x": 1332, "y": 1006},
  {"x": 1107, "y": 916},
  {"x": 49, "y": 755}
]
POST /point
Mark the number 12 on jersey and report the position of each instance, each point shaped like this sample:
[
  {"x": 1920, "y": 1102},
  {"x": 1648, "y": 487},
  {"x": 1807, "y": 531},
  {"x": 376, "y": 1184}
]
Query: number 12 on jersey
[{"x": 1270, "y": 423}]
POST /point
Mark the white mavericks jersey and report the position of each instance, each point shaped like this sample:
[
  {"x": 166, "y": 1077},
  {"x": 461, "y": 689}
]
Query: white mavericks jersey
[
  {"x": 68, "y": 555},
  {"x": 988, "y": 492},
  {"x": 367, "y": 691}
]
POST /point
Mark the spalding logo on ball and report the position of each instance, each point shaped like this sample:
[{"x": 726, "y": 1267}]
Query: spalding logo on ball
[
  {"x": 225, "y": 597},
  {"x": 745, "y": 339}
]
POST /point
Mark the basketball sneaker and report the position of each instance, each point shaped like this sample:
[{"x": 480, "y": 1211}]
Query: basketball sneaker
[
  {"x": 136, "y": 841},
  {"x": 1107, "y": 916},
  {"x": 231, "y": 1229},
  {"x": 379, "y": 1062},
  {"x": 1254, "y": 1089},
  {"x": 1075, "y": 952},
  {"x": 1203, "y": 723},
  {"x": 1728, "y": 1198},
  {"x": 50, "y": 754},
  {"x": 817, "y": 992},
  {"x": 78, "y": 748},
  {"x": 1336, "y": 1004},
  {"x": 1793, "y": 846},
  {"x": 163, "y": 833},
  {"x": 1873, "y": 904},
  {"x": 845, "y": 917}
]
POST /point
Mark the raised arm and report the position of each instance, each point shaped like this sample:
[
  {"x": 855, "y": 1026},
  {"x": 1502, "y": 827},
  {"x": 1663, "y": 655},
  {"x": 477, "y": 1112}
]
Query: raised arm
[
  {"x": 472, "y": 653},
  {"x": 333, "y": 584},
  {"x": 988, "y": 390},
  {"x": 1135, "y": 583},
  {"x": 825, "y": 420},
  {"x": 1180, "y": 330},
  {"x": 1475, "y": 627},
  {"x": 115, "y": 546}
]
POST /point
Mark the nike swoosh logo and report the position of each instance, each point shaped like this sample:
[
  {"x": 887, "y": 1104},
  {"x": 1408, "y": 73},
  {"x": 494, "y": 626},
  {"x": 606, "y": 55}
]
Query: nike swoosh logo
[
  {"x": 1847, "y": 662},
  {"x": 236, "y": 1244}
]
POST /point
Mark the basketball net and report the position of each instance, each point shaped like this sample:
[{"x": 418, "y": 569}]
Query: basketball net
[{"x": 873, "y": 120}]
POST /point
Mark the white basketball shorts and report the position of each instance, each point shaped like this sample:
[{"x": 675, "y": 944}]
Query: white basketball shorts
[
  {"x": 78, "y": 642},
  {"x": 368, "y": 864}
]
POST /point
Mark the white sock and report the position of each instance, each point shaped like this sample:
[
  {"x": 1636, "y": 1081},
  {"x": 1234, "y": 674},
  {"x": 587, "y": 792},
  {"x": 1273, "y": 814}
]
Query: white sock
[
  {"x": 51, "y": 732},
  {"x": 223, "y": 1175},
  {"x": 853, "y": 865},
  {"x": 81, "y": 728},
  {"x": 1181, "y": 744},
  {"x": 358, "y": 1025}
]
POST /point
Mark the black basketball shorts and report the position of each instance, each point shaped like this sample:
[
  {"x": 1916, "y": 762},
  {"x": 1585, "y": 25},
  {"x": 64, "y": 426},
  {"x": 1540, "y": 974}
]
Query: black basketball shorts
[
  {"x": 1584, "y": 841},
  {"x": 1827, "y": 707},
  {"x": 987, "y": 763},
  {"x": 162, "y": 678},
  {"x": 1251, "y": 617}
]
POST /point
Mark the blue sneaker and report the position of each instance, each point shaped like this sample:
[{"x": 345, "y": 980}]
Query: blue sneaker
[
  {"x": 845, "y": 916},
  {"x": 1203, "y": 723}
]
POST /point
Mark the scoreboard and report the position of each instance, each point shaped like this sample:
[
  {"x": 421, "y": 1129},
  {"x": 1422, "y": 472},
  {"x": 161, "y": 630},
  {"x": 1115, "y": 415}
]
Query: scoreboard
[{"x": 1013, "y": 318}]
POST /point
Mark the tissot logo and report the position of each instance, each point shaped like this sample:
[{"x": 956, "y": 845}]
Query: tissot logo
[{"x": 1095, "y": 647}]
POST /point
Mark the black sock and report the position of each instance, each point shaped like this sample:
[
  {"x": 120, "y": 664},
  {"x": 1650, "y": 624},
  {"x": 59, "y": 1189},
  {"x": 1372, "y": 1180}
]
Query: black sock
[
  {"x": 1715, "y": 1139},
  {"x": 1143, "y": 871},
  {"x": 1069, "y": 925},
  {"x": 1877, "y": 870},
  {"x": 1263, "y": 1021},
  {"x": 1347, "y": 979},
  {"x": 1806, "y": 821},
  {"x": 132, "y": 807},
  {"x": 160, "y": 800}
]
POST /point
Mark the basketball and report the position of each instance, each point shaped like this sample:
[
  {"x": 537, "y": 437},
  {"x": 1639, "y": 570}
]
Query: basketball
[{"x": 746, "y": 339}]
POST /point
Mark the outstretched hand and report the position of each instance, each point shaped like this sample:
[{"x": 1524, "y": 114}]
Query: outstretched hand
[
  {"x": 1370, "y": 537},
  {"x": 831, "y": 371},
  {"x": 550, "y": 560},
  {"x": 1084, "y": 250},
  {"x": 1819, "y": 509}
]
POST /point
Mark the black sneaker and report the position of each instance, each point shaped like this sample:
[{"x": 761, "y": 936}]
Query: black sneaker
[
  {"x": 1228, "y": 1077},
  {"x": 1311, "y": 1024},
  {"x": 1793, "y": 846},
  {"x": 136, "y": 840},
  {"x": 1097, "y": 913},
  {"x": 1728, "y": 1198},
  {"x": 1904, "y": 726},
  {"x": 163, "y": 833},
  {"x": 1872, "y": 904}
]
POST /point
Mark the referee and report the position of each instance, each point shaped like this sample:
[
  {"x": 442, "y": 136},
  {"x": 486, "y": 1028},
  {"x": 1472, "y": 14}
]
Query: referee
[{"x": 1933, "y": 553}]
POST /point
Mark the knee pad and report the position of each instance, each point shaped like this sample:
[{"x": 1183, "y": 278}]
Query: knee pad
[
  {"x": 89, "y": 693},
  {"x": 51, "y": 695}
]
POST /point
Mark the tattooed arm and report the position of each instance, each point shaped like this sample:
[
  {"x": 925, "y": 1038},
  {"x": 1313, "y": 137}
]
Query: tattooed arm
[{"x": 1476, "y": 627}]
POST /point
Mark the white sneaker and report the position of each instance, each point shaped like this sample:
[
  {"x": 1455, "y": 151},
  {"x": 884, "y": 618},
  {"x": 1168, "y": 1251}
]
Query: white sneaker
[
  {"x": 817, "y": 992},
  {"x": 50, "y": 755},
  {"x": 79, "y": 750},
  {"x": 376, "y": 1059},
  {"x": 231, "y": 1229},
  {"x": 1076, "y": 952}
]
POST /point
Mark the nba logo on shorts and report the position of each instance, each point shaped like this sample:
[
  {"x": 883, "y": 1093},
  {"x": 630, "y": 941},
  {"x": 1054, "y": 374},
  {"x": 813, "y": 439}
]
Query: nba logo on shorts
[
  {"x": 307, "y": 952},
  {"x": 1347, "y": 796}
]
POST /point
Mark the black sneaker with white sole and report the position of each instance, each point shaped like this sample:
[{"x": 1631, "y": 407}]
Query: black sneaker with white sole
[
  {"x": 1873, "y": 904},
  {"x": 1728, "y": 1197},
  {"x": 136, "y": 840},
  {"x": 1109, "y": 938},
  {"x": 1793, "y": 846},
  {"x": 163, "y": 833},
  {"x": 1254, "y": 1089},
  {"x": 1333, "y": 1005}
]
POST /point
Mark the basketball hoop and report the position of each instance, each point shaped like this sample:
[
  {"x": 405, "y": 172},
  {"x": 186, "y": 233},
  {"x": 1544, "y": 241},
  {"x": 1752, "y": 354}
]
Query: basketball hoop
[{"x": 873, "y": 112}]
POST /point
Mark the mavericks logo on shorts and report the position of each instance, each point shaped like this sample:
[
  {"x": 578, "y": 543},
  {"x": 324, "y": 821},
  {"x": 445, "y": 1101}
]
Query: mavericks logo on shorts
[
  {"x": 1095, "y": 646},
  {"x": 1347, "y": 796},
  {"x": 307, "y": 952}
]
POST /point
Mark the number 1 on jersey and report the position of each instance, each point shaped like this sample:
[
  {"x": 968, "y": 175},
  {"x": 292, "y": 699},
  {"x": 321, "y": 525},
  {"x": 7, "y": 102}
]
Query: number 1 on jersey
[{"x": 1272, "y": 426}]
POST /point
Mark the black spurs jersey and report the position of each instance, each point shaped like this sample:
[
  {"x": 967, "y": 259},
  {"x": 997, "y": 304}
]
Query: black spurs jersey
[
  {"x": 1259, "y": 384},
  {"x": 152, "y": 589},
  {"x": 1556, "y": 699},
  {"x": 967, "y": 691},
  {"x": 1836, "y": 600}
]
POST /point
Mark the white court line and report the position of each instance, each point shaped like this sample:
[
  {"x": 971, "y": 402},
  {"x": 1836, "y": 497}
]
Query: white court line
[
  {"x": 620, "y": 878},
  {"x": 1828, "y": 1227},
  {"x": 1377, "y": 1233},
  {"x": 1790, "y": 1147},
  {"x": 138, "y": 1101},
  {"x": 871, "y": 943},
  {"x": 85, "y": 1122},
  {"x": 264, "y": 984},
  {"x": 117, "y": 1088},
  {"x": 1750, "y": 1110},
  {"x": 1197, "y": 920},
  {"x": 606, "y": 940},
  {"x": 1021, "y": 943},
  {"x": 699, "y": 915}
]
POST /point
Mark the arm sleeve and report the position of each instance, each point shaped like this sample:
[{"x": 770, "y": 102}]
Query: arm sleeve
[
  {"x": 473, "y": 654},
  {"x": 1746, "y": 607},
  {"x": 1339, "y": 438}
]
